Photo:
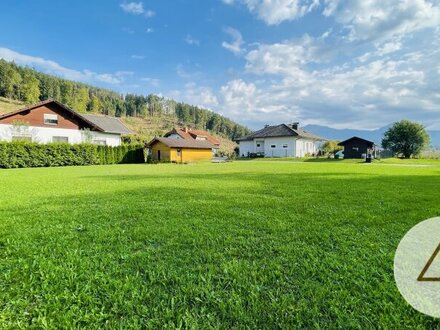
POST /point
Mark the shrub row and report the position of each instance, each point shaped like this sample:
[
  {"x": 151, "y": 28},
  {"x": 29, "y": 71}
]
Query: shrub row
[
  {"x": 24, "y": 154},
  {"x": 124, "y": 154}
]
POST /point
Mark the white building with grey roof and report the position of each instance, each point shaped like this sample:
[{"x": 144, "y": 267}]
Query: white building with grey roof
[
  {"x": 51, "y": 121},
  {"x": 284, "y": 140}
]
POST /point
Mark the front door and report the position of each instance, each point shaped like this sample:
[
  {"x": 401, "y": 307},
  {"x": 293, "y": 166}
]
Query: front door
[
  {"x": 179, "y": 155},
  {"x": 158, "y": 155}
]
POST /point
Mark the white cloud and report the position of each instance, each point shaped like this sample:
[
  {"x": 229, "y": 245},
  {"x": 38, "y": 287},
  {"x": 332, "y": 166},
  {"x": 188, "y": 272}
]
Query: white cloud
[
  {"x": 254, "y": 106},
  {"x": 236, "y": 43},
  {"x": 276, "y": 11},
  {"x": 373, "y": 67},
  {"x": 389, "y": 47},
  {"x": 149, "y": 30},
  {"x": 55, "y": 68},
  {"x": 239, "y": 96},
  {"x": 382, "y": 19},
  {"x": 304, "y": 80},
  {"x": 136, "y": 8},
  {"x": 198, "y": 95},
  {"x": 137, "y": 57},
  {"x": 149, "y": 13},
  {"x": 190, "y": 40},
  {"x": 285, "y": 58}
]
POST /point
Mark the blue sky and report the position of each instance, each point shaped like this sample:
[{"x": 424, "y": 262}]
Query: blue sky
[{"x": 356, "y": 64}]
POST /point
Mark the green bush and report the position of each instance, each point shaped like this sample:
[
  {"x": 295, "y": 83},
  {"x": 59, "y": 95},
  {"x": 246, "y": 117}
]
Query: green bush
[{"x": 25, "y": 154}]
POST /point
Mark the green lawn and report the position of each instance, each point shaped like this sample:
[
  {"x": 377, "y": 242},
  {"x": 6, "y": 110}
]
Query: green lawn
[
  {"x": 397, "y": 161},
  {"x": 246, "y": 244}
]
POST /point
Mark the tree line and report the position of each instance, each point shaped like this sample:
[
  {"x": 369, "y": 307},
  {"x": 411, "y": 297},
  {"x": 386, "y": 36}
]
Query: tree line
[{"x": 30, "y": 86}]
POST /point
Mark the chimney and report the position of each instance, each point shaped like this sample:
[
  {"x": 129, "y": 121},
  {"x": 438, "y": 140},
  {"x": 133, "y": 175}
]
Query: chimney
[
  {"x": 294, "y": 125},
  {"x": 186, "y": 129}
]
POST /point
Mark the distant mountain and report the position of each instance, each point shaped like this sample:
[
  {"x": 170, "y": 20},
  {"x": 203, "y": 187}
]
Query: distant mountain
[{"x": 373, "y": 135}]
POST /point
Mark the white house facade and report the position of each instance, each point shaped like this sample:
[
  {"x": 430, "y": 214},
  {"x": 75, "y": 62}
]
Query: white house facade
[
  {"x": 51, "y": 121},
  {"x": 51, "y": 135},
  {"x": 279, "y": 141}
]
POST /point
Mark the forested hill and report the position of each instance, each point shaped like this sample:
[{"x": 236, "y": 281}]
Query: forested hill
[{"x": 30, "y": 86}]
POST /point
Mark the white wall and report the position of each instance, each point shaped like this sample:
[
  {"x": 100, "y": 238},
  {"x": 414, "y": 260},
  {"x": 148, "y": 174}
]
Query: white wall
[
  {"x": 246, "y": 147},
  {"x": 295, "y": 147},
  {"x": 305, "y": 146},
  {"x": 45, "y": 134},
  {"x": 279, "y": 151}
]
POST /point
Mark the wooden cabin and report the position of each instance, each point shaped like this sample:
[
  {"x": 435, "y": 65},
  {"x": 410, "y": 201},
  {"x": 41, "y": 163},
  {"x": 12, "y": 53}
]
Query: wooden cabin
[
  {"x": 179, "y": 150},
  {"x": 356, "y": 147}
]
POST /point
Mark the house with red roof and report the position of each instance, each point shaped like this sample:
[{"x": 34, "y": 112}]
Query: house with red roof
[{"x": 193, "y": 134}]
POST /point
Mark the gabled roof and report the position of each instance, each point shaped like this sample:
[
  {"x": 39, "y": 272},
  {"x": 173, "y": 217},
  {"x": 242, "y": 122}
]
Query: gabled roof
[
  {"x": 59, "y": 104},
  {"x": 109, "y": 124},
  {"x": 209, "y": 137},
  {"x": 280, "y": 131},
  {"x": 182, "y": 143},
  {"x": 99, "y": 123},
  {"x": 180, "y": 132},
  {"x": 192, "y": 134},
  {"x": 355, "y": 138}
]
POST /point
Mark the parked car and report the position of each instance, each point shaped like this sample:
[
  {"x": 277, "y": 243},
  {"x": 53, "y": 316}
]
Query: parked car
[{"x": 339, "y": 154}]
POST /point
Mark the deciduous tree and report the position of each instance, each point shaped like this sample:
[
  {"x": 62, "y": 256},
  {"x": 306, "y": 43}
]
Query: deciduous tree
[{"x": 406, "y": 138}]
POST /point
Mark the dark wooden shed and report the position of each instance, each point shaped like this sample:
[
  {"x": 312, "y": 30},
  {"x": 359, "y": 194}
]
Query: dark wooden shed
[{"x": 357, "y": 147}]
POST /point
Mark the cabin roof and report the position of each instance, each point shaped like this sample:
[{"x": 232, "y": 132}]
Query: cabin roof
[
  {"x": 192, "y": 134},
  {"x": 356, "y": 138},
  {"x": 182, "y": 143}
]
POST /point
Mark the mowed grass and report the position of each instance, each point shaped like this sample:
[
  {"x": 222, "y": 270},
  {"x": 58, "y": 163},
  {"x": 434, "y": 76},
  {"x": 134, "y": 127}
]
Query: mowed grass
[
  {"x": 395, "y": 161},
  {"x": 246, "y": 244}
]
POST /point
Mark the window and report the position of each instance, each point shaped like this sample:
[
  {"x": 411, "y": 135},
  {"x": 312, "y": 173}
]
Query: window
[
  {"x": 285, "y": 146},
  {"x": 355, "y": 148},
  {"x": 60, "y": 139},
  {"x": 179, "y": 152},
  {"x": 273, "y": 146},
  {"x": 50, "y": 119},
  {"x": 100, "y": 142},
  {"x": 258, "y": 145},
  {"x": 26, "y": 138}
]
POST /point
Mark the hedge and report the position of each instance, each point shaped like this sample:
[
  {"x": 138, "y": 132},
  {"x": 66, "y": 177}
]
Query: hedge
[
  {"x": 25, "y": 154},
  {"x": 124, "y": 154}
]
